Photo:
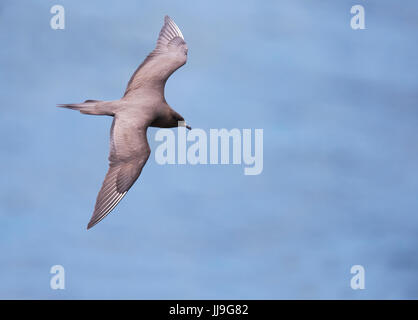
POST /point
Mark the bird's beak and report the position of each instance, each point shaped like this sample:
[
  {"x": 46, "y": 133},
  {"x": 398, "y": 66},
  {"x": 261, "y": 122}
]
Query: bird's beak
[{"x": 184, "y": 124}]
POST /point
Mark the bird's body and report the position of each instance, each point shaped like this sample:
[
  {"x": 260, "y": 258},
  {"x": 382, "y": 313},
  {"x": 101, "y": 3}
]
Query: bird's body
[{"x": 143, "y": 105}]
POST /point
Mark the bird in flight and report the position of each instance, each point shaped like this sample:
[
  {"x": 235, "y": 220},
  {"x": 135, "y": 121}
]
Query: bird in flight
[{"x": 143, "y": 105}]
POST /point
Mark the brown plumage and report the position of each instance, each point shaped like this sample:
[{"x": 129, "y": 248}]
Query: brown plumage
[{"x": 143, "y": 105}]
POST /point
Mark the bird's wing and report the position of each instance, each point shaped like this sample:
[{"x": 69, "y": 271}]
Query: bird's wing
[
  {"x": 157, "y": 63},
  {"x": 129, "y": 151}
]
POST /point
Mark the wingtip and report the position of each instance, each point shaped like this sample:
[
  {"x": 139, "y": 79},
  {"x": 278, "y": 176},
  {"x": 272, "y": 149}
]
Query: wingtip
[
  {"x": 168, "y": 19},
  {"x": 169, "y": 23},
  {"x": 92, "y": 223}
]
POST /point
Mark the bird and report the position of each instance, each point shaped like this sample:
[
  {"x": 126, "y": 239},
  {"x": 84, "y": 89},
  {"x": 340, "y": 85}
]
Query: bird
[{"x": 143, "y": 105}]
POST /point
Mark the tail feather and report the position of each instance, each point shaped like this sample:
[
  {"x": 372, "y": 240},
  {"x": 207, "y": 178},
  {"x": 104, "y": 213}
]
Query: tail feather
[{"x": 93, "y": 107}]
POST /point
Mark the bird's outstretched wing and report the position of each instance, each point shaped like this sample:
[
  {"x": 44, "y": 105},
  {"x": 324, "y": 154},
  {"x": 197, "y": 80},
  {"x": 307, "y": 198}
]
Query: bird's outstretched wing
[
  {"x": 129, "y": 151},
  {"x": 159, "y": 64}
]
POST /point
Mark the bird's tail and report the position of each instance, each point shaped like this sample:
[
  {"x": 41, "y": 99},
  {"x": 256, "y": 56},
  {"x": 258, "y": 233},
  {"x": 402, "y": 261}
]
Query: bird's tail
[{"x": 94, "y": 107}]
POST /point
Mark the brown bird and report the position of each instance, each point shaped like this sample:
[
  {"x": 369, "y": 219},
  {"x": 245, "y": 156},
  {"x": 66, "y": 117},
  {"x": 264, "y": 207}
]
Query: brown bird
[{"x": 143, "y": 105}]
